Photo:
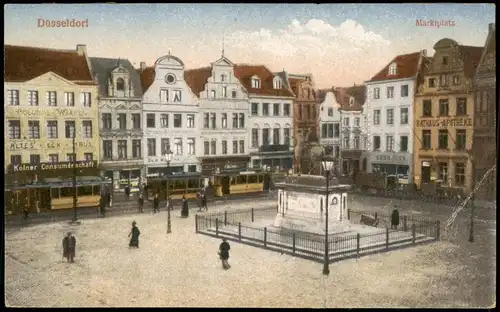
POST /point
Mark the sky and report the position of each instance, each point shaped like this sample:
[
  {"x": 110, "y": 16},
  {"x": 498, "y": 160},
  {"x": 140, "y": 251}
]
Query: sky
[{"x": 339, "y": 44}]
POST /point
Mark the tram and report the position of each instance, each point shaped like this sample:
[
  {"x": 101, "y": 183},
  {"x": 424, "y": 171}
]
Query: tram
[
  {"x": 240, "y": 182},
  {"x": 179, "y": 185},
  {"x": 55, "y": 194}
]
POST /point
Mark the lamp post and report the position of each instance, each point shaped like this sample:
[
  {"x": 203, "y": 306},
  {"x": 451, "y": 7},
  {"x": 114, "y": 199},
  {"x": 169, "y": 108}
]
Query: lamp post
[
  {"x": 327, "y": 167},
  {"x": 168, "y": 157},
  {"x": 471, "y": 228},
  {"x": 75, "y": 218}
]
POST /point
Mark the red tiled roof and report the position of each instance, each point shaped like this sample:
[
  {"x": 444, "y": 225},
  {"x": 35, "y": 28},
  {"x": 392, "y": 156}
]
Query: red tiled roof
[
  {"x": 147, "y": 77},
  {"x": 471, "y": 57},
  {"x": 26, "y": 63},
  {"x": 197, "y": 78},
  {"x": 245, "y": 72},
  {"x": 343, "y": 95},
  {"x": 407, "y": 66}
]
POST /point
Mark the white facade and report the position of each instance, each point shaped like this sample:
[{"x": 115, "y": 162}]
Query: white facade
[
  {"x": 351, "y": 134},
  {"x": 388, "y": 123},
  {"x": 223, "y": 119},
  {"x": 171, "y": 120},
  {"x": 329, "y": 125}
]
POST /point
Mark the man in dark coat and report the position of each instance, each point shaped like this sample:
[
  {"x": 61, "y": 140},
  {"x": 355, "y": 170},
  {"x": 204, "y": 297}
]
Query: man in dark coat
[
  {"x": 69, "y": 247},
  {"x": 134, "y": 240},
  {"x": 395, "y": 219},
  {"x": 224, "y": 253},
  {"x": 127, "y": 191},
  {"x": 102, "y": 206},
  {"x": 156, "y": 203},
  {"x": 141, "y": 201},
  {"x": 185, "y": 207},
  {"x": 204, "y": 201}
]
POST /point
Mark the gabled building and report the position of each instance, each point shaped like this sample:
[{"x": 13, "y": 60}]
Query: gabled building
[
  {"x": 223, "y": 121},
  {"x": 388, "y": 116},
  {"x": 270, "y": 117},
  {"x": 443, "y": 118},
  {"x": 120, "y": 121},
  {"x": 329, "y": 122},
  {"x": 170, "y": 118},
  {"x": 305, "y": 109},
  {"x": 50, "y": 100},
  {"x": 351, "y": 102},
  {"x": 484, "y": 150}
]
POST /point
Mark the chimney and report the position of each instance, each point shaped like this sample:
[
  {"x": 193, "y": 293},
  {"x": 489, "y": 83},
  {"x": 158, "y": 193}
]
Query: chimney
[
  {"x": 143, "y": 66},
  {"x": 424, "y": 53},
  {"x": 81, "y": 49},
  {"x": 491, "y": 27}
]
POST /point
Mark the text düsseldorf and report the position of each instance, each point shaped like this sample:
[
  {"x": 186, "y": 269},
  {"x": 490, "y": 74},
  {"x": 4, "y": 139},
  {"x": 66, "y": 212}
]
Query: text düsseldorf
[{"x": 67, "y": 23}]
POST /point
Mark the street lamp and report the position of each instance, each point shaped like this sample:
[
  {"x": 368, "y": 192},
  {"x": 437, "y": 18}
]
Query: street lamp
[
  {"x": 473, "y": 188},
  {"x": 327, "y": 167},
  {"x": 168, "y": 158}
]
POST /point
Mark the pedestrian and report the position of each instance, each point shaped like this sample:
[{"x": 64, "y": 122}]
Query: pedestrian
[
  {"x": 102, "y": 206},
  {"x": 134, "y": 241},
  {"x": 26, "y": 214},
  {"x": 69, "y": 247},
  {"x": 198, "y": 200},
  {"x": 224, "y": 253},
  {"x": 185, "y": 207},
  {"x": 395, "y": 219},
  {"x": 127, "y": 191},
  {"x": 141, "y": 201},
  {"x": 156, "y": 203},
  {"x": 204, "y": 201}
]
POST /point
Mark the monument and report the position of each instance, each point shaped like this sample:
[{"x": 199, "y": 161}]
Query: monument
[{"x": 302, "y": 204}]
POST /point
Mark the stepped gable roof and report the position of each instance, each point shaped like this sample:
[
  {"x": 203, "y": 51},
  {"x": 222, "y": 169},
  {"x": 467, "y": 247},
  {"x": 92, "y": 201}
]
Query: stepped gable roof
[{"x": 23, "y": 63}]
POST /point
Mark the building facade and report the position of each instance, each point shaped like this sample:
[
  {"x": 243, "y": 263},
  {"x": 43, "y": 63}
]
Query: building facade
[
  {"x": 223, "y": 119},
  {"x": 351, "y": 102},
  {"x": 443, "y": 117},
  {"x": 170, "y": 118},
  {"x": 329, "y": 123},
  {"x": 389, "y": 116},
  {"x": 305, "y": 110},
  {"x": 50, "y": 102},
  {"x": 120, "y": 121},
  {"x": 270, "y": 118},
  {"x": 484, "y": 149}
]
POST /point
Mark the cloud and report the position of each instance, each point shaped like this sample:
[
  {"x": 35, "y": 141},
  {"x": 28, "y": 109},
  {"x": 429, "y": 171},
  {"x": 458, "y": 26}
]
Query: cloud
[{"x": 334, "y": 54}]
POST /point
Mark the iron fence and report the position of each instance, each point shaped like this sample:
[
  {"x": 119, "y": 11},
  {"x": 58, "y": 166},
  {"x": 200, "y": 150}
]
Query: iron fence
[{"x": 311, "y": 246}]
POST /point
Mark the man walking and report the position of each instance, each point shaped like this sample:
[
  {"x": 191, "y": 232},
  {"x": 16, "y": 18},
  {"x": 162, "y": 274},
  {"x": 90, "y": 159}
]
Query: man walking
[
  {"x": 395, "y": 219},
  {"x": 204, "y": 201},
  {"x": 224, "y": 253},
  {"x": 141, "y": 201},
  {"x": 156, "y": 203},
  {"x": 69, "y": 247}
]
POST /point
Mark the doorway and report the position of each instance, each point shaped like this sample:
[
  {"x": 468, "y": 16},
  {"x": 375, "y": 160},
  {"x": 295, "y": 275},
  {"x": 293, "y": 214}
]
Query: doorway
[{"x": 425, "y": 172}]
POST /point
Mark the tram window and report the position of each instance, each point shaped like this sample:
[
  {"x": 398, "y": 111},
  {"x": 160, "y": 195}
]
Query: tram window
[
  {"x": 233, "y": 180},
  {"x": 193, "y": 183},
  {"x": 243, "y": 179},
  {"x": 84, "y": 190},
  {"x": 96, "y": 190},
  {"x": 54, "y": 193},
  {"x": 66, "y": 191},
  {"x": 261, "y": 178},
  {"x": 179, "y": 184},
  {"x": 253, "y": 179}
]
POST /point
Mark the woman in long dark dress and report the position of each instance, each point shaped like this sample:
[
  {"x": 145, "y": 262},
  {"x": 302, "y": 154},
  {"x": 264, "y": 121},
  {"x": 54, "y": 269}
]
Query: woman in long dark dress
[
  {"x": 185, "y": 207},
  {"x": 134, "y": 241},
  {"x": 224, "y": 254}
]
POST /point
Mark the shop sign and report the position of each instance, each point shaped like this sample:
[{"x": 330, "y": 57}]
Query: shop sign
[
  {"x": 451, "y": 122},
  {"x": 46, "y": 145},
  {"x": 47, "y": 112},
  {"x": 390, "y": 158},
  {"x": 51, "y": 166}
]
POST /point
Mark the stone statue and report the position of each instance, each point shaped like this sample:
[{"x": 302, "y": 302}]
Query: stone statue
[{"x": 298, "y": 150}]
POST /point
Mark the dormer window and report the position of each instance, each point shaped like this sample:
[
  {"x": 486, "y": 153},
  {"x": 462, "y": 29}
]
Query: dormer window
[
  {"x": 445, "y": 60},
  {"x": 223, "y": 78},
  {"x": 120, "y": 84},
  {"x": 255, "y": 83},
  {"x": 351, "y": 101},
  {"x": 392, "y": 69},
  {"x": 278, "y": 84}
]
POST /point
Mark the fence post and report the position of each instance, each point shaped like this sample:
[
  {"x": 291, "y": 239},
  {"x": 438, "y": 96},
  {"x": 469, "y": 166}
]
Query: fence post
[
  {"x": 239, "y": 231},
  {"x": 225, "y": 217},
  {"x": 216, "y": 227},
  {"x": 293, "y": 242},
  {"x": 358, "y": 238},
  {"x": 386, "y": 238},
  {"x": 348, "y": 214},
  {"x": 405, "y": 223},
  {"x": 252, "y": 215},
  {"x": 413, "y": 234},
  {"x": 196, "y": 223},
  {"x": 438, "y": 229},
  {"x": 265, "y": 236},
  {"x": 375, "y": 215}
]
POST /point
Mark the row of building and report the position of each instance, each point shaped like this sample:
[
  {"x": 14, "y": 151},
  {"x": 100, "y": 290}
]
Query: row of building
[
  {"x": 424, "y": 119},
  {"x": 65, "y": 105}
]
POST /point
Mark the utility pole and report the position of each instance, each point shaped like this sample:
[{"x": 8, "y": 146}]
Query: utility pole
[
  {"x": 473, "y": 183},
  {"x": 75, "y": 198}
]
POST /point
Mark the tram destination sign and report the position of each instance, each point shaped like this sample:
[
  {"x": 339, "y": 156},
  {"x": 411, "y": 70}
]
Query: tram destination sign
[
  {"x": 51, "y": 166},
  {"x": 452, "y": 122}
]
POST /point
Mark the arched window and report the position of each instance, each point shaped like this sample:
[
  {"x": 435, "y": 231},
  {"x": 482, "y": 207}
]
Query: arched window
[{"x": 120, "y": 84}]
